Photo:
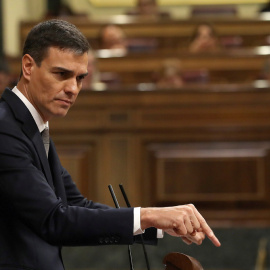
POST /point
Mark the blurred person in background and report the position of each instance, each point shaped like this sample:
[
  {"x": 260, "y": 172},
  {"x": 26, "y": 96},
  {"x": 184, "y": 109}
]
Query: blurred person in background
[
  {"x": 170, "y": 74},
  {"x": 60, "y": 9},
  {"x": 112, "y": 37},
  {"x": 204, "y": 39},
  {"x": 148, "y": 8}
]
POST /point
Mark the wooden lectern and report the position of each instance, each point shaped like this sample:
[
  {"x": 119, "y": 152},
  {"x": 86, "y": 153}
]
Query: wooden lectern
[{"x": 180, "y": 261}]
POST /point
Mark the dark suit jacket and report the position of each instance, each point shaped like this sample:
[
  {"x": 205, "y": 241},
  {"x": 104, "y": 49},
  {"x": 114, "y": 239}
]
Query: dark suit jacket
[{"x": 40, "y": 207}]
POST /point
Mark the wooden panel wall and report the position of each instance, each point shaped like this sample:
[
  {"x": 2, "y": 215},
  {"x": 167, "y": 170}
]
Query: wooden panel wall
[
  {"x": 168, "y": 147},
  {"x": 224, "y": 173}
]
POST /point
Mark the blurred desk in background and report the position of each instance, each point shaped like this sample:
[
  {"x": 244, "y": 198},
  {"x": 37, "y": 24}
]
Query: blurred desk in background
[
  {"x": 228, "y": 66},
  {"x": 169, "y": 33}
]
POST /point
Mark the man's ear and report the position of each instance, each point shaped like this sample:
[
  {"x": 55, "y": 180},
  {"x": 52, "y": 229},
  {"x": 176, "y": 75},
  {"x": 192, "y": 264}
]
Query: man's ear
[{"x": 28, "y": 64}]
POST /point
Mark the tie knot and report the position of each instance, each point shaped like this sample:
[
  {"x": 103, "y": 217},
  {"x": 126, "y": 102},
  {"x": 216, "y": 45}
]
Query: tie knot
[{"x": 45, "y": 133}]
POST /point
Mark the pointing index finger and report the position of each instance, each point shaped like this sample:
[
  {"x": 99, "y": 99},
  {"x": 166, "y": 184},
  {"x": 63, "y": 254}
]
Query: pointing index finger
[
  {"x": 206, "y": 229},
  {"x": 212, "y": 236}
]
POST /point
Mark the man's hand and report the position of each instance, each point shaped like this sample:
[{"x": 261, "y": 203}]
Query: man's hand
[
  {"x": 196, "y": 237},
  {"x": 182, "y": 221}
]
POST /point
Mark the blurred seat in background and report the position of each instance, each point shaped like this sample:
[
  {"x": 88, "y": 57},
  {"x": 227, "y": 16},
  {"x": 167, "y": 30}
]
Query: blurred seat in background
[
  {"x": 264, "y": 74},
  {"x": 195, "y": 76},
  {"x": 229, "y": 42},
  {"x": 142, "y": 44},
  {"x": 214, "y": 11}
]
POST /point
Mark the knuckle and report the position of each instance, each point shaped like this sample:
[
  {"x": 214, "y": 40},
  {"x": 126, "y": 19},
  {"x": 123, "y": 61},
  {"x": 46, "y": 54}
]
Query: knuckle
[
  {"x": 203, "y": 221},
  {"x": 187, "y": 209},
  {"x": 181, "y": 217}
]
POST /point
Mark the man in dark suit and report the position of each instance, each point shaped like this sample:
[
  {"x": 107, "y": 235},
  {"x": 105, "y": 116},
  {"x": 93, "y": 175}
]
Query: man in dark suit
[{"x": 41, "y": 209}]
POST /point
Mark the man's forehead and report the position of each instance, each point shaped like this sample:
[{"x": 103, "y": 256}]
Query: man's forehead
[
  {"x": 66, "y": 55},
  {"x": 66, "y": 60}
]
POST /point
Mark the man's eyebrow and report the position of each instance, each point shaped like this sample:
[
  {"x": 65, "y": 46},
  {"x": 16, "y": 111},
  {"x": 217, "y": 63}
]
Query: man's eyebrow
[
  {"x": 62, "y": 69},
  {"x": 68, "y": 71},
  {"x": 84, "y": 74}
]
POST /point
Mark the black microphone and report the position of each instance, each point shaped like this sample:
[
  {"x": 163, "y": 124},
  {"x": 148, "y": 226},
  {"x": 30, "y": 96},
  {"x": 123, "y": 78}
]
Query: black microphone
[
  {"x": 117, "y": 206},
  {"x": 143, "y": 245}
]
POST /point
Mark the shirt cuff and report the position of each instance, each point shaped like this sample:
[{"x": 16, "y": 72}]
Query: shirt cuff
[
  {"x": 137, "y": 224},
  {"x": 137, "y": 221},
  {"x": 160, "y": 233}
]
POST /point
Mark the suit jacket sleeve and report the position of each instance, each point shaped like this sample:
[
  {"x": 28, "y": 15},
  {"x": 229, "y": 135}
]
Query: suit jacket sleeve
[{"x": 76, "y": 198}]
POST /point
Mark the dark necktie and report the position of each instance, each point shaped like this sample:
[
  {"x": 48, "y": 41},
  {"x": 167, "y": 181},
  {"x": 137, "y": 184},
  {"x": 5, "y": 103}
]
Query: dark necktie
[{"x": 46, "y": 139}]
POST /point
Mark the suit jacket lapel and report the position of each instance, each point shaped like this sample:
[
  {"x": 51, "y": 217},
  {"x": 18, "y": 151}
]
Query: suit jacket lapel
[
  {"x": 29, "y": 127},
  {"x": 38, "y": 143},
  {"x": 56, "y": 169}
]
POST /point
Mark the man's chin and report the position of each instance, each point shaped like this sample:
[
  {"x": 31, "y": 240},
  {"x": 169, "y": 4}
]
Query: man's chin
[{"x": 61, "y": 113}]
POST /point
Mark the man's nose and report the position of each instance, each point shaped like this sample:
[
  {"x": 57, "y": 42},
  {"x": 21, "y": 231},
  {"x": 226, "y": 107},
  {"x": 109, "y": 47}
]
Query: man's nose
[{"x": 72, "y": 86}]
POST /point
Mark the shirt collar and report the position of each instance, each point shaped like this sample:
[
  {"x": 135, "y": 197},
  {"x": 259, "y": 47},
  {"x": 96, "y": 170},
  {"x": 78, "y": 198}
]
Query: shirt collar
[{"x": 37, "y": 117}]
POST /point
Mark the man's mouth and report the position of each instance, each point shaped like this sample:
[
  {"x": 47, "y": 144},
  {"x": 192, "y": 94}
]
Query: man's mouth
[{"x": 65, "y": 101}]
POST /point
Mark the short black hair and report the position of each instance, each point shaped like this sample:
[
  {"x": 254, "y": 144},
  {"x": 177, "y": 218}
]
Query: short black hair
[{"x": 54, "y": 33}]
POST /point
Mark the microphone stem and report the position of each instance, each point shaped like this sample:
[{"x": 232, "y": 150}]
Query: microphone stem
[
  {"x": 117, "y": 206},
  {"x": 128, "y": 205}
]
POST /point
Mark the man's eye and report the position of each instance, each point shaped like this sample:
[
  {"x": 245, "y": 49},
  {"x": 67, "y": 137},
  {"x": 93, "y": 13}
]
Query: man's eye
[
  {"x": 60, "y": 74},
  {"x": 80, "y": 78}
]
